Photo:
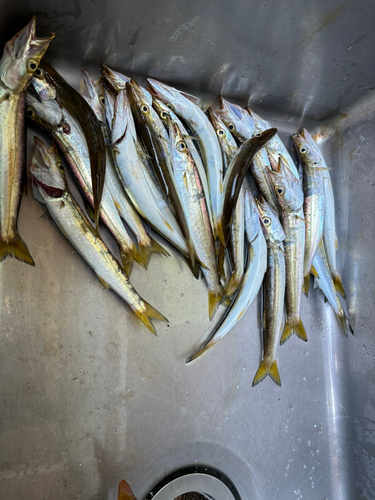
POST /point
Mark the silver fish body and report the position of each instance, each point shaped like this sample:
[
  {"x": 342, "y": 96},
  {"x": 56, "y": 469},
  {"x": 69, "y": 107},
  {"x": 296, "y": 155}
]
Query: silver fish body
[
  {"x": 237, "y": 119},
  {"x": 51, "y": 189},
  {"x": 259, "y": 170}
]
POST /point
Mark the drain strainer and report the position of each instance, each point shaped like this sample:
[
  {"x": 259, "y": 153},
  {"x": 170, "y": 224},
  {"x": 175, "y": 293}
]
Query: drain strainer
[{"x": 195, "y": 483}]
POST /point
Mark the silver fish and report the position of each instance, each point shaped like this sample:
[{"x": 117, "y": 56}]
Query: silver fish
[
  {"x": 314, "y": 204},
  {"x": 50, "y": 188},
  {"x": 20, "y": 60},
  {"x": 251, "y": 283},
  {"x": 198, "y": 122},
  {"x": 290, "y": 200},
  {"x": 237, "y": 119},
  {"x": 274, "y": 292}
]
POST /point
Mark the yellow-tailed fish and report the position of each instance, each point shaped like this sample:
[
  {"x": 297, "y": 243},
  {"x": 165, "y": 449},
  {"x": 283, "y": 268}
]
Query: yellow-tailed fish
[
  {"x": 50, "y": 188},
  {"x": 69, "y": 136},
  {"x": 290, "y": 201},
  {"x": 185, "y": 106},
  {"x": 20, "y": 60},
  {"x": 274, "y": 292},
  {"x": 93, "y": 93},
  {"x": 329, "y": 229},
  {"x": 72, "y": 100},
  {"x": 252, "y": 281},
  {"x": 314, "y": 204},
  {"x": 194, "y": 205}
]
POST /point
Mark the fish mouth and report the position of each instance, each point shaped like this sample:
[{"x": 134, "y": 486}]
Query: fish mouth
[
  {"x": 116, "y": 80},
  {"x": 43, "y": 175},
  {"x": 49, "y": 190},
  {"x": 159, "y": 89},
  {"x": 26, "y": 42}
]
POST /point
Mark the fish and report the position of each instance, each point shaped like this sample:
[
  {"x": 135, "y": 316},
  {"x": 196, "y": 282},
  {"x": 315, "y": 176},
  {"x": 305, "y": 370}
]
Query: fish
[
  {"x": 194, "y": 203},
  {"x": 275, "y": 146},
  {"x": 93, "y": 93},
  {"x": 290, "y": 201},
  {"x": 116, "y": 80},
  {"x": 69, "y": 136},
  {"x": 185, "y": 106},
  {"x": 274, "y": 292},
  {"x": 136, "y": 177},
  {"x": 323, "y": 279},
  {"x": 314, "y": 204},
  {"x": 259, "y": 170},
  {"x": 229, "y": 149},
  {"x": 19, "y": 62},
  {"x": 72, "y": 100},
  {"x": 329, "y": 228},
  {"x": 50, "y": 187},
  {"x": 155, "y": 139},
  {"x": 251, "y": 283},
  {"x": 237, "y": 119},
  {"x": 236, "y": 173}
]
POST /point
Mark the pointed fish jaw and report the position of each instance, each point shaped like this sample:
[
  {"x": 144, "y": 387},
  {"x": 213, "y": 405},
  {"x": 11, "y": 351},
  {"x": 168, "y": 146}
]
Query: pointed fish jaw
[
  {"x": 93, "y": 93},
  {"x": 122, "y": 122},
  {"x": 170, "y": 96},
  {"x": 260, "y": 124},
  {"x": 115, "y": 79},
  {"x": 291, "y": 199},
  {"x": 21, "y": 57},
  {"x": 45, "y": 167},
  {"x": 240, "y": 117}
]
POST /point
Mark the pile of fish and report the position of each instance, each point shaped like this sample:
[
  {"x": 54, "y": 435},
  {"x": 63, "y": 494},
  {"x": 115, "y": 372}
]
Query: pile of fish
[{"x": 218, "y": 185}]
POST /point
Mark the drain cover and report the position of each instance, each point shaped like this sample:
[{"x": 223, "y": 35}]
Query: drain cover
[{"x": 195, "y": 483}]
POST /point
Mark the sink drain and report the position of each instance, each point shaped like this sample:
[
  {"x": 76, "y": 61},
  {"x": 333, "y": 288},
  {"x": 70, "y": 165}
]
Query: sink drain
[{"x": 195, "y": 483}]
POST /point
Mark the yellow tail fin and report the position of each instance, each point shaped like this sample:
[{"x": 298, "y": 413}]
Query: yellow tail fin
[
  {"x": 214, "y": 300},
  {"x": 125, "y": 492},
  {"x": 220, "y": 251},
  {"x": 127, "y": 260},
  {"x": 219, "y": 233},
  {"x": 306, "y": 285},
  {"x": 291, "y": 327},
  {"x": 345, "y": 325},
  {"x": 147, "y": 250},
  {"x": 149, "y": 314},
  {"x": 267, "y": 367},
  {"x": 233, "y": 285},
  {"x": 338, "y": 285},
  {"x": 17, "y": 249}
]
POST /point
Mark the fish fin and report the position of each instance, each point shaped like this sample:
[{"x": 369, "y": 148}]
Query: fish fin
[
  {"x": 233, "y": 285},
  {"x": 219, "y": 233},
  {"x": 297, "y": 328},
  {"x": 194, "y": 269},
  {"x": 336, "y": 243},
  {"x": 306, "y": 285},
  {"x": 287, "y": 333},
  {"x": 220, "y": 251},
  {"x": 345, "y": 325},
  {"x": 126, "y": 260},
  {"x": 145, "y": 252},
  {"x": 191, "y": 98},
  {"x": 267, "y": 367},
  {"x": 148, "y": 315},
  {"x": 89, "y": 210},
  {"x": 214, "y": 300},
  {"x": 300, "y": 218},
  {"x": 314, "y": 272},
  {"x": 192, "y": 137},
  {"x": 17, "y": 249},
  {"x": 142, "y": 153},
  {"x": 300, "y": 331},
  {"x": 124, "y": 491},
  {"x": 157, "y": 248},
  {"x": 104, "y": 283},
  {"x": 338, "y": 285}
]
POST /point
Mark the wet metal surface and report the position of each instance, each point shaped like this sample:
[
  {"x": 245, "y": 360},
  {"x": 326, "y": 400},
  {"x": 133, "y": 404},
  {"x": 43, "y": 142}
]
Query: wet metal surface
[{"x": 89, "y": 396}]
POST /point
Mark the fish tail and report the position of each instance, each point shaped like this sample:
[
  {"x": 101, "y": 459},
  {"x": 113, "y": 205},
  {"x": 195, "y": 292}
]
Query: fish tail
[
  {"x": 232, "y": 286},
  {"x": 16, "y": 248},
  {"x": 344, "y": 322},
  {"x": 306, "y": 285},
  {"x": 219, "y": 233},
  {"x": 148, "y": 314},
  {"x": 124, "y": 491},
  {"x": 267, "y": 367},
  {"x": 220, "y": 251},
  {"x": 157, "y": 248},
  {"x": 214, "y": 299},
  {"x": 146, "y": 250},
  {"x": 127, "y": 260},
  {"x": 194, "y": 269},
  {"x": 296, "y": 327},
  {"x": 338, "y": 284}
]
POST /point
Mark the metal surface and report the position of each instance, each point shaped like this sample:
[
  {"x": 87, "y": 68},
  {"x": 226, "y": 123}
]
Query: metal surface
[{"x": 88, "y": 396}]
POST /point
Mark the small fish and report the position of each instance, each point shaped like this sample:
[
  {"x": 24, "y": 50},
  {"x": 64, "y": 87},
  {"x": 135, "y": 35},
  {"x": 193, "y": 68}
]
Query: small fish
[
  {"x": 185, "y": 106},
  {"x": 72, "y": 100},
  {"x": 314, "y": 204},
  {"x": 323, "y": 280},
  {"x": 259, "y": 170},
  {"x": 290, "y": 203},
  {"x": 194, "y": 205},
  {"x": 50, "y": 187},
  {"x": 275, "y": 147},
  {"x": 329, "y": 229},
  {"x": 251, "y": 283},
  {"x": 274, "y": 292},
  {"x": 237, "y": 119},
  {"x": 93, "y": 93},
  {"x": 116, "y": 80},
  {"x": 236, "y": 173},
  {"x": 20, "y": 60}
]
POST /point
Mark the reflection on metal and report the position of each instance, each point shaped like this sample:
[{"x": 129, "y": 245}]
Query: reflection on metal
[{"x": 206, "y": 482}]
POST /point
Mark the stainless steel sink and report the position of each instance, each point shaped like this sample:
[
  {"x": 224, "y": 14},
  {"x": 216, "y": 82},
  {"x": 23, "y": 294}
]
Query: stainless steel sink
[{"x": 89, "y": 396}]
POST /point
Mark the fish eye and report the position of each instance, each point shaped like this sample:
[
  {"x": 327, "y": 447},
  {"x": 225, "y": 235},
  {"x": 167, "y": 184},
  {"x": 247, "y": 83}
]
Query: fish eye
[
  {"x": 102, "y": 100},
  {"x": 303, "y": 150},
  {"x": 164, "y": 115},
  {"x": 32, "y": 65},
  {"x": 38, "y": 72},
  {"x": 30, "y": 112},
  {"x": 181, "y": 146},
  {"x": 266, "y": 221},
  {"x": 144, "y": 108},
  {"x": 258, "y": 134},
  {"x": 220, "y": 132},
  {"x": 60, "y": 167},
  {"x": 231, "y": 126},
  {"x": 170, "y": 106},
  {"x": 280, "y": 190}
]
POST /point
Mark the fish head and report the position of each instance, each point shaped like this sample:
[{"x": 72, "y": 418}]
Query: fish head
[
  {"x": 287, "y": 187},
  {"x": 179, "y": 150},
  {"x": 180, "y": 102},
  {"x": 260, "y": 123},
  {"x": 312, "y": 144},
  {"x": 252, "y": 217},
  {"x": 308, "y": 155},
  {"x": 47, "y": 114},
  {"x": 163, "y": 111},
  {"x": 143, "y": 112},
  {"x": 21, "y": 57},
  {"x": 225, "y": 137},
  {"x": 48, "y": 176},
  {"x": 116, "y": 80},
  {"x": 237, "y": 119},
  {"x": 271, "y": 225},
  {"x": 92, "y": 92},
  {"x": 122, "y": 122}
]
